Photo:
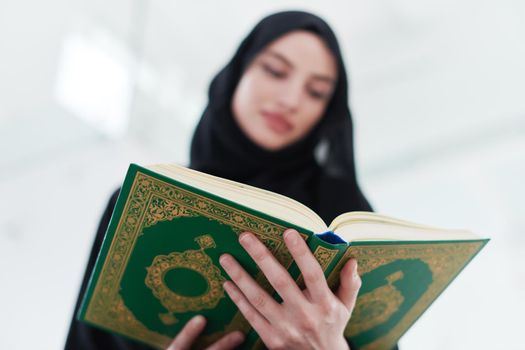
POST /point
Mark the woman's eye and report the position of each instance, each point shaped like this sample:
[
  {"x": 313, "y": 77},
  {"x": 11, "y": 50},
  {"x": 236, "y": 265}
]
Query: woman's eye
[
  {"x": 318, "y": 95},
  {"x": 273, "y": 72}
]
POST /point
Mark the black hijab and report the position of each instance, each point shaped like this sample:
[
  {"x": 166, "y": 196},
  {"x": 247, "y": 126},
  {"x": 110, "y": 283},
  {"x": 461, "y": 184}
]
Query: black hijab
[{"x": 327, "y": 184}]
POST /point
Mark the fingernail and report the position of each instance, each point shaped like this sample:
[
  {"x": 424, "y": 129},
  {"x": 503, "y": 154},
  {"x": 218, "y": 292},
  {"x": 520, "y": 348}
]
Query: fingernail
[
  {"x": 291, "y": 236},
  {"x": 238, "y": 337},
  {"x": 228, "y": 287},
  {"x": 224, "y": 260},
  {"x": 246, "y": 238},
  {"x": 197, "y": 320},
  {"x": 354, "y": 268}
]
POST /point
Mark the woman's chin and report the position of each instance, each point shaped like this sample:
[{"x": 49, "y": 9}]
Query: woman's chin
[
  {"x": 272, "y": 145},
  {"x": 269, "y": 140}
]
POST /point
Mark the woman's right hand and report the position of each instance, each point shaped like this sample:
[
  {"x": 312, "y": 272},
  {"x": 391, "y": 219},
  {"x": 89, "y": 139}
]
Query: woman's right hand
[{"x": 192, "y": 329}]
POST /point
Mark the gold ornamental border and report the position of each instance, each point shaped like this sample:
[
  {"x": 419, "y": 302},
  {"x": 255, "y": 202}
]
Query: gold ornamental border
[
  {"x": 445, "y": 260},
  {"x": 106, "y": 307}
]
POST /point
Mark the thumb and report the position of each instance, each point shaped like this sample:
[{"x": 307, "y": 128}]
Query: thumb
[{"x": 350, "y": 284}]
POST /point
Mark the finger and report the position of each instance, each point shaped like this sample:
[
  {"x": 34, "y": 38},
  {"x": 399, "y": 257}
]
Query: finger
[
  {"x": 312, "y": 272},
  {"x": 276, "y": 274},
  {"x": 188, "y": 334},
  {"x": 229, "y": 341},
  {"x": 256, "y": 296},
  {"x": 250, "y": 313},
  {"x": 350, "y": 284}
]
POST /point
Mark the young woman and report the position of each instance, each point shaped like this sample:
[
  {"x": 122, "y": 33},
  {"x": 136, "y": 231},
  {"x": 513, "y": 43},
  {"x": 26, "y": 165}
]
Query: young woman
[{"x": 278, "y": 119}]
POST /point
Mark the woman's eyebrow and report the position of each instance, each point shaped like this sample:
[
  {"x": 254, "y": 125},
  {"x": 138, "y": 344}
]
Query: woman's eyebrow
[
  {"x": 280, "y": 57},
  {"x": 324, "y": 78}
]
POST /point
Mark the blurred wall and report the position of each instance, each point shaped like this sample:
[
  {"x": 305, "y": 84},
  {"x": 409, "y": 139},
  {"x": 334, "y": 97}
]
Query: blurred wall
[{"x": 86, "y": 87}]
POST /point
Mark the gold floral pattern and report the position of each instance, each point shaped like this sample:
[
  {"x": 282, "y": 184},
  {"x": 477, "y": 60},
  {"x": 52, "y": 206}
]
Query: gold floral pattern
[
  {"x": 376, "y": 307},
  {"x": 150, "y": 201},
  {"x": 444, "y": 259},
  {"x": 195, "y": 260},
  {"x": 324, "y": 256}
]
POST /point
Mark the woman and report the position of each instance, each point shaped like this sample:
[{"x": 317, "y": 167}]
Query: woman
[{"x": 278, "y": 119}]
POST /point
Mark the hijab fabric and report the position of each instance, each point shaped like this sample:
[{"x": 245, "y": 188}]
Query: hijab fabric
[{"x": 326, "y": 184}]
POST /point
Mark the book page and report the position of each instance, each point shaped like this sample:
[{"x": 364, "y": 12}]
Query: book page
[
  {"x": 267, "y": 202},
  {"x": 364, "y": 226}
]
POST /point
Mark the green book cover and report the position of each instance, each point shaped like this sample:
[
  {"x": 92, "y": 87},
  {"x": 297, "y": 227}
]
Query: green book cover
[{"x": 159, "y": 266}]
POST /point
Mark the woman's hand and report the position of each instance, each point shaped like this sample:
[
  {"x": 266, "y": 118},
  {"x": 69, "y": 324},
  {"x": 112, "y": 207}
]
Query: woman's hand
[
  {"x": 314, "y": 318},
  {"x": 192, "y": 329}
]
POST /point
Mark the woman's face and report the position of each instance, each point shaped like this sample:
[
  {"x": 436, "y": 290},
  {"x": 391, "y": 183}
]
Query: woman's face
[{"x": 285, "y": 90}]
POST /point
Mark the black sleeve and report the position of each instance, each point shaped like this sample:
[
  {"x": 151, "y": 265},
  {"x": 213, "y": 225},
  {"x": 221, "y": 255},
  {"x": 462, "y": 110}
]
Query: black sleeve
[{"x": 82, "y": 336}]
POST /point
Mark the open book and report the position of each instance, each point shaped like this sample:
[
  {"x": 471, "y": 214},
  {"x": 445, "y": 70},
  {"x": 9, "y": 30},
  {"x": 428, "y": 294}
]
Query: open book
[{"x": 158, "y": 265}]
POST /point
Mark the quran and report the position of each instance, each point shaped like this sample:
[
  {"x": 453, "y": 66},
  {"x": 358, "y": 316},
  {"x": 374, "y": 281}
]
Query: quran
[{"x": 158, "y": 265}]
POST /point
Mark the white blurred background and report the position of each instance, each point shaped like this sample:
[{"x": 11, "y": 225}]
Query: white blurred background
[{"x": 437, "y": 94}]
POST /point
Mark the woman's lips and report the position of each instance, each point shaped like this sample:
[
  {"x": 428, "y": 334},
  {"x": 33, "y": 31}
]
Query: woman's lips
[{"x": 276, "y": 122}]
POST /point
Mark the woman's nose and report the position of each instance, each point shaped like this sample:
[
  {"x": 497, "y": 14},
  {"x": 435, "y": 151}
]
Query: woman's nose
[{"x": 290, "y": 96}]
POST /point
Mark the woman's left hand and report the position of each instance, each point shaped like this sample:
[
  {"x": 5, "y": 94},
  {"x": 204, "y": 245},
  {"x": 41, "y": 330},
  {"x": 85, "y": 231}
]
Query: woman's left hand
[{"x": 313, "y": 318}]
